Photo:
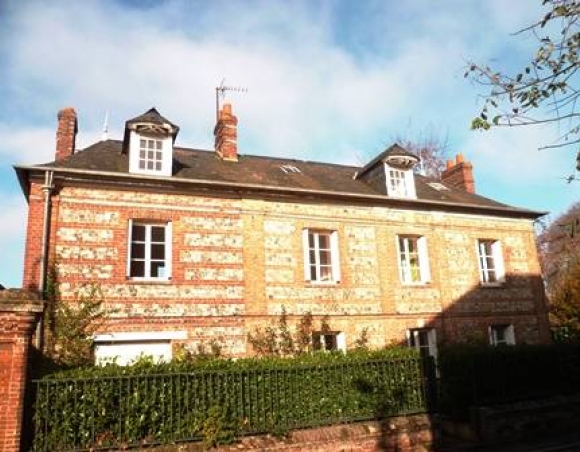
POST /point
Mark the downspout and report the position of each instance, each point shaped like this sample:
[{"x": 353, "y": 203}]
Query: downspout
[{"x": 47, "y": 189}]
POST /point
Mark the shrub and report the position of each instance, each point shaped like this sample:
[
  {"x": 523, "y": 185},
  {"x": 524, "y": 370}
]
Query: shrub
[
  {"x": 219, "y": 400},
  {"x": 476, "y": 375}
]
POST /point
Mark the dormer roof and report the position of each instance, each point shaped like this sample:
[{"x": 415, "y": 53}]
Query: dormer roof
[
  {"x": 149, "y": 122},
  {"x": 395, "y": 155}
]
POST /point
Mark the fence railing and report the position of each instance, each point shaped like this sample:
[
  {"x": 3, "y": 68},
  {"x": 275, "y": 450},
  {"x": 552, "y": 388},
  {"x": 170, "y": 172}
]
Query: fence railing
[{"x": 126, "y": 410}]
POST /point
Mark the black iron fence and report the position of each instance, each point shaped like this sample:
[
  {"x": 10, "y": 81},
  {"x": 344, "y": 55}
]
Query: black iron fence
[{"x": 129, "y": 410}]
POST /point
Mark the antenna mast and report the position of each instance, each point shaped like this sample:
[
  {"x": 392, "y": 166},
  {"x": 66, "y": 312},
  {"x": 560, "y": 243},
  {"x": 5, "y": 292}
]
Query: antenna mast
[
  {"x": 105, "y": 135},
  {"x": 220, "y": 91}
]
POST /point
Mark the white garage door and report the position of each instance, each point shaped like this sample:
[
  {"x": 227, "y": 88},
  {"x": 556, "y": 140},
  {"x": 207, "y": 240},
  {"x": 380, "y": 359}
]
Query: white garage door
[{"x": 124, "y": 353}]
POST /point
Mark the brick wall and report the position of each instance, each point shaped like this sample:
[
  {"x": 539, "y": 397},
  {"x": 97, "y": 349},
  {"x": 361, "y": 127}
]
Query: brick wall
[
  {"x": 413, "y": 433},
  {"x": 237, "y": 261},
  {"x": 18, "y": 313}
]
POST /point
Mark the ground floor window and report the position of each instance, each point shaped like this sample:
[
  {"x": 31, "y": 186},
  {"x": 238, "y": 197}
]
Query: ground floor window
[
  {"x": 328, "y": 340},
  {"x": 502, "y": 334},
  {"x": 424, "y": 340}
]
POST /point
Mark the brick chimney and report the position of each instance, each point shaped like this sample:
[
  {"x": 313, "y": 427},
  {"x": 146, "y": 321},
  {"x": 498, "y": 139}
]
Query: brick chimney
[
  {"x": 459, "y": 174},
  {"x": 226, "y": 134},
  {"x": 66, "y": 133}
]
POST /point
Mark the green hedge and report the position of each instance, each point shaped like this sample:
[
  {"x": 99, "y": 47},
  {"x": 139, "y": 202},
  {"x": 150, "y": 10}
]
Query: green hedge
[
  {"x": 219, "y": 400},
  {"x": 473, "y": 375}
]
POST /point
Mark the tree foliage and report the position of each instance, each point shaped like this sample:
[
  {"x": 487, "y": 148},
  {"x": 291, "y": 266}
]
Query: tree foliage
[
  {"x": 559, "y": 251},
  {"x": 431, "y": 148},
  {"x": 70, "y": 326},
  {"x": 544, "y": 90}
]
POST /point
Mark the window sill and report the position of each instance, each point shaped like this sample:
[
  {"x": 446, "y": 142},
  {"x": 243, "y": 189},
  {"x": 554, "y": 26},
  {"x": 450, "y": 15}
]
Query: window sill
[
  {"x": 322, "y": 283},
  {"x": 416, "y": 284},
  {"x": 148, "y": 281},
  {"x": 496, "y": 285}
]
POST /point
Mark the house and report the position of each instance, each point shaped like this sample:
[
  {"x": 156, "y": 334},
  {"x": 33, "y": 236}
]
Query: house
[{"x": 189, "y": 246}]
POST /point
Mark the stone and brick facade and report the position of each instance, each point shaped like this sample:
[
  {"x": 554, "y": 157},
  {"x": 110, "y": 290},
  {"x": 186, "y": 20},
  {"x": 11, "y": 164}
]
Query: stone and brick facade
[{"x": 236, "y": 246}]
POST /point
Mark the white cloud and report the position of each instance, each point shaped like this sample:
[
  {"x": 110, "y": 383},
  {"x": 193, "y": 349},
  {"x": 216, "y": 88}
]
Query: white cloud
[
  {"x": 12, "y": 232},
  {"x": 316, "y": 89}
]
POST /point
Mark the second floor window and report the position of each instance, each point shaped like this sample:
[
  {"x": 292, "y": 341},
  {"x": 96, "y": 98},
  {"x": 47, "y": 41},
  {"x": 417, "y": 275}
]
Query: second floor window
[
  {"x": 491, "y": 269},
  {"x": 413, "y": 261},
  {"x": 149, "y": 251},
  {"x": 321, "y": 262}
]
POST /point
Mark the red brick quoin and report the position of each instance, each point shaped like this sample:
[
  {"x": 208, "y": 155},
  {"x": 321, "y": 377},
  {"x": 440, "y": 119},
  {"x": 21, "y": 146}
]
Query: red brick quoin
[{"x": 18, "y": 315}]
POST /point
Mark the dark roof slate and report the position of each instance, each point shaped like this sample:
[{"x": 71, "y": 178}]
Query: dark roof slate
[{"x": 195, "y": 164}]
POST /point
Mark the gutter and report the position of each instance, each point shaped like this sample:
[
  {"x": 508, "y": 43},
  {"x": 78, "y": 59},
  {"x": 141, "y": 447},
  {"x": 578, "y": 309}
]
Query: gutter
[
  {"x": 47, "y": 190},
  {"x": 154, "y": 180}
]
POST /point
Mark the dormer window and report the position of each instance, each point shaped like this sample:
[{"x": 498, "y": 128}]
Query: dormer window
[
  {"x": 398, "y": 185},
  {"x": 391, "y": 172},
  {"x": 149, "y": 142}
]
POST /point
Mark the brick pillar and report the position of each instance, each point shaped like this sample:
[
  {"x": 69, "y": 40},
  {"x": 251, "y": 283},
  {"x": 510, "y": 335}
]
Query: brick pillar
[{"x": 19, "y": 311}]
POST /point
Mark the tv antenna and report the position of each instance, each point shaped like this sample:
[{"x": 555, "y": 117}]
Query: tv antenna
[{"x": 220, "y": 91}]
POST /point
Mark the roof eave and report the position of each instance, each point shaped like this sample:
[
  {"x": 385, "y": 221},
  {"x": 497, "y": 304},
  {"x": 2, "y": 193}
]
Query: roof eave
[{"x": 497, "y": 210}]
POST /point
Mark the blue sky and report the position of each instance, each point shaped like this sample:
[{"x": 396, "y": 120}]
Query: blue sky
[{"x": 329, "y": 80}]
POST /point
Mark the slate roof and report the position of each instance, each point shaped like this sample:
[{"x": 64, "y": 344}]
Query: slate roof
[{"x": 258, "y": 171}]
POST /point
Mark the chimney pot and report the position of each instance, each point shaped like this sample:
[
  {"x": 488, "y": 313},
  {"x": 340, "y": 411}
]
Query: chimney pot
[
  {"x": 459, "y": 175},
  {"x": 66, "y": 133}
]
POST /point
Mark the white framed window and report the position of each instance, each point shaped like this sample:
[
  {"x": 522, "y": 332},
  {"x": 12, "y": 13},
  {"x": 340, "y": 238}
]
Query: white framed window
[
  {"x": 328, "y": 341},
  {"x": 149, "y": 256},
  {"x": 424, "y": 340},
  {"x": 321, "y": 260},
  {"x": 413, "y": 259},
  {"x": 400, "y": 182},
  {"x": 150, "y": 154},
  {"x": 502, "y": 334},
  {"x": 491, "y": 267}
]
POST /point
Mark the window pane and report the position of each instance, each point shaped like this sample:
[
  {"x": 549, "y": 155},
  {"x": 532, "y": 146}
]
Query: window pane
[
  {"x": 325, "y": 273},
  {"x": 138, "y": 233},
  {"x": 142, "y": 154},
  {"x": 137, "y": 269},
  {"x": 329, "y": 342},
  {"x": 158, "y": 156},
  {"x": 324, "y": 241},
  {"x": 489, "y": 262},
  {"x": 158, "y": 144},
  {"x": 142, "y": 164},
  {"x": 158, "y": 234},
  {"x": 313, "y": 273},
  {"x": 150, "y": 155},
  {"x": 157, "y": 269},
  {"x": 158, "y": 166},
  {"x": 325, "y": 258},
  {"x": 310, "y": 240},
  {"x": 158, "y": 252},
  {"x": 137, "y": 251},
  {"x": 491, "y": 277},
  {"x": 142, "y": 143},
  {"x": 149, "y": 165}
]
